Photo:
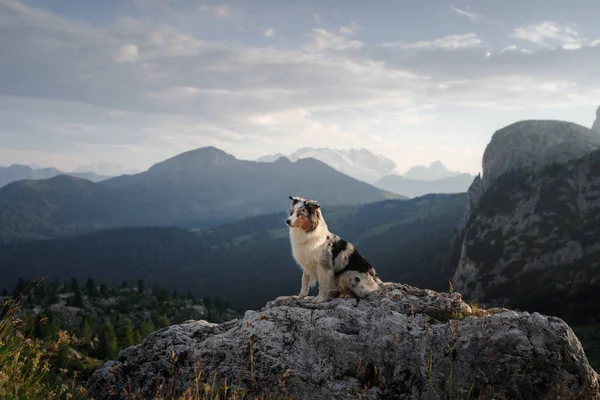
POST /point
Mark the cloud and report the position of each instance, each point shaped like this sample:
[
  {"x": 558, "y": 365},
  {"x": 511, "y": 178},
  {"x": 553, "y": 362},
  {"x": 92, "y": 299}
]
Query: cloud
[
  {"x": 269, "y": 32},
  {"x": 323, "y": 40},
  {"x": 350, "y": 29},
  {"x": 463, "y": 13},
  {"x": 222, "y": 11},
  {"x": 516, "y": 49},
  {"x": 127, "y": 54},
  {"x": 144, "y": 89},
  {"x": 318, "y": 18},
  {"x": 547, "y": 34},
  {"x": 451, "y": 42}
]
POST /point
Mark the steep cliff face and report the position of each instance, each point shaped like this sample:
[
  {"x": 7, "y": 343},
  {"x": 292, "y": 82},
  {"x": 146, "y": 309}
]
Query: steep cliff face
[
  {"x": 533, "y": 239},
  {"x": 596, "y": 126},
  {"x": 400, "y": 343},
  {"x": 533, "y": 145}
]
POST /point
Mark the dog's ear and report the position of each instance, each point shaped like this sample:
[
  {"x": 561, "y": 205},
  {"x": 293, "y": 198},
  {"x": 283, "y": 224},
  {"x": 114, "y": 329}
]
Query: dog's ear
[
  {"x": 312, "y": 205},
  {"x": 294, "y": 199}
]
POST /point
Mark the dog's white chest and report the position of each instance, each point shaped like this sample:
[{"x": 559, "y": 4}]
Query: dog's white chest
[{"x": 308, "y": 254}]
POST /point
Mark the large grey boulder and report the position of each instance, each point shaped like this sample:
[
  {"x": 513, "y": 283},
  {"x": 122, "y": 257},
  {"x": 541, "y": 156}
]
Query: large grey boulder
[
  {"x": 400, "y": 343},
  {"x": 534, "y": 144}
]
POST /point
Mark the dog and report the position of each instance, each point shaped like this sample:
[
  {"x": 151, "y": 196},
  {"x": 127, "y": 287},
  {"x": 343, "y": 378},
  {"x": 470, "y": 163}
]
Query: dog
[{"x": 325, "y": 258}]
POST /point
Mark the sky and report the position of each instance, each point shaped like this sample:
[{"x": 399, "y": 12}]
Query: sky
[{"x": 138, "y": 81}]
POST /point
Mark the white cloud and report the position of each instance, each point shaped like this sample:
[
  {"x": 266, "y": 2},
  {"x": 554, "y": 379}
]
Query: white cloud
[
  {"x": 350, "y": 29},
  {"x": 323, "y": 40},
  {"x": 594, "y": 43},
  {"x": 451, "y": 42},
  {"x": 515, "y": 49},
  {"x": 249, "y": 98},
  {"x": 127, "y": 54},
  {"x": 269, "y": 32},
  {"x": 571, "y": 46},
  {"x": 222, "y": 11},
  {"x": 547, "y": 34},
  {"x": 467, "y": 14}
]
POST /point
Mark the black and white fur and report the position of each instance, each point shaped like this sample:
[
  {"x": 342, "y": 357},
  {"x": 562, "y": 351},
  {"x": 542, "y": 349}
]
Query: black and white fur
[{"x": 326, "y": 258}]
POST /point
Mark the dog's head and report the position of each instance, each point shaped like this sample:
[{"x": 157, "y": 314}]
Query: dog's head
[{"x": 305, "y": 214}]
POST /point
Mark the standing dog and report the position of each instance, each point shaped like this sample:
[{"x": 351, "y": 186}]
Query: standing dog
[{"x": 326, "y": 258}]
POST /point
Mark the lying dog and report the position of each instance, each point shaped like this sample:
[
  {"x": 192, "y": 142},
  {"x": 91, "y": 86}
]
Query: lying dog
[{"x": 326, "y": 258}]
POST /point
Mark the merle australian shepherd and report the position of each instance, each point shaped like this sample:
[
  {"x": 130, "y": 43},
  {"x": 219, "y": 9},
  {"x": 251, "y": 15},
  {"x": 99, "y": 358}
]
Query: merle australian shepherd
[{"x": 326, "y": 258}]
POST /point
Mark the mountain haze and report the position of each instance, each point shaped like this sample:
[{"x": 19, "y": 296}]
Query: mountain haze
[
  {"x": 435, "y": 172},
  {"x": 358, "y": 163},
  {"x": 414, "y": 188},
  {"x": 16, "y": 172},
  {"x": 105, "y": 169}
]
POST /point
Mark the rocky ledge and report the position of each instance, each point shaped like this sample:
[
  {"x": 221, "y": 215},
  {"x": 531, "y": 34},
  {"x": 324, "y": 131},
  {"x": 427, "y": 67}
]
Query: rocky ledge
[{"x": 400, "y": 343}]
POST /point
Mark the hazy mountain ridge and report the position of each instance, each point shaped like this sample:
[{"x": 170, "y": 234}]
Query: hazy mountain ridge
[
  {"x": 414, "y": 188},
  {"x": 16, "y": 172},
  {"x": 361, "y": 164},
  {"x": 435, "y": 172},
  {"x": 107, "y": 169},
  {"x": 212, "y": 187}
]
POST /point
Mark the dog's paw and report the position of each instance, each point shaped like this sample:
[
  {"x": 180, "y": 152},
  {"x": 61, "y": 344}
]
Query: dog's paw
[
  {"x": 319, "y": 299},
  {"x": 302, "y": 295}
]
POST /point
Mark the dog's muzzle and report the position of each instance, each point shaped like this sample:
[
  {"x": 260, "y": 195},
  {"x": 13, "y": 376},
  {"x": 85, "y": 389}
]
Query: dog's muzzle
[{"x": 289, "y": 222}]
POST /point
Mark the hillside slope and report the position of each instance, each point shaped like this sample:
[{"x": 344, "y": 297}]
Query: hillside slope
[{"x": 247, "y": 262}]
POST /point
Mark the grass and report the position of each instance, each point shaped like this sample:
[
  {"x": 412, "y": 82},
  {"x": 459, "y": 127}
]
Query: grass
[{"x": 25, "y": 362}]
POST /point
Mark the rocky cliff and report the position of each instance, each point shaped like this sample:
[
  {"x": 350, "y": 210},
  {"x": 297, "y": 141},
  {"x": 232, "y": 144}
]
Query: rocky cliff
[
  {"x": 400, "y": 343},
  {"x": 533, "y": 241},
  {"x": 596, "y": 126},
  {"x": 533, "y": 145}
]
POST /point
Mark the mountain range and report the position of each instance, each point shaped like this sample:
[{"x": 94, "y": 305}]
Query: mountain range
[
  {"x": 199, "y": 188},
  {"x": 415, "y": 187},
  {"x": 106, "y": 169},
  {"x": 435, "y": 172},
  {"x": 361, "y": 164},
  {"x": 16, "y": 172},
  {"x": 380, "y": 171}
]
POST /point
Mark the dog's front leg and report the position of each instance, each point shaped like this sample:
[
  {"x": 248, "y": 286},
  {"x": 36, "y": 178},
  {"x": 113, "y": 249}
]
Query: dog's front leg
[
  {"x": 305, "y": 285},
  {"x": 326, "y": 281}
]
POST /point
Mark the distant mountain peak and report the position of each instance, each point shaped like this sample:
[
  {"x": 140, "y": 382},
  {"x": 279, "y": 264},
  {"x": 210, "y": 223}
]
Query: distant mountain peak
[
  {"x": 199, "y": 158},
  {"x": 436, "y": 171},
  {"x": 361, "y": 164}
]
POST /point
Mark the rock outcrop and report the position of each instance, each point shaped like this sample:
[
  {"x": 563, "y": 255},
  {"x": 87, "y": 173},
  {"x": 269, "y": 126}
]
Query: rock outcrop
[
  {"x": 533, "y": 241},
  {"x": 596, "y": 126},
  {"x": 402, "y": 343},
  {"x": 535, "y": 144}
]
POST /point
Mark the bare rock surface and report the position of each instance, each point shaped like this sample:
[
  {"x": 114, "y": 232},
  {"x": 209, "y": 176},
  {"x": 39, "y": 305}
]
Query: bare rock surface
[
  {"x": 534, "y": 144},
  {"x": 400, "y": 343},
  {"x": 596, "y": 126}
]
